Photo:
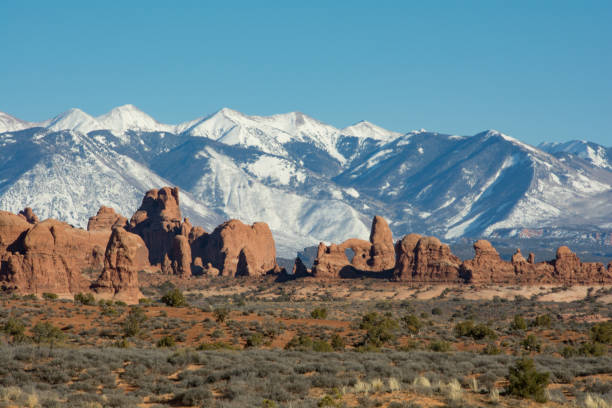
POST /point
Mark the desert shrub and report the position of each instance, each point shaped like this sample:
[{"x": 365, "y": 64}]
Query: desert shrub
[
  {"x": 436, "y": 311},
  {"x": 526, "y": 382},
  {"x": 380, "y": 328},
  {"x": 491, "y": 349},
  {"x": 218, "y": 345},
  {"x": 166, "y": 341},
  {"x": 45, "y": 332},
  {"x": 195, "y": 396},
  {"x": 300, "y": 342},
  {"x": 542, "y": 321},
  {"x": 412, "y": 323},
  {"x": 49, "y": 296},
  {"x": 221, "y": 314},
  {"x": 15, "y": 329},
  {"x": 132, "y": 323},
  {"x": 592, "y": 349},
  {"x": 531, "y": 343},
  {"x": 518, "y": 323},
  {"x": 477, "y": 332},
  {"x": 145, "y": 301},
  {"x": 321, "y": 346},
  {"x": 319, "y": 313},
  {"x": 439, "y": 346},
  {"x": 85, "y": 299},
  {"x": 602, "y": 332},
  {"x": 254, "y": 340},
  {"x": 174, "y": 298},
  {"x": 337, "y": 342}
]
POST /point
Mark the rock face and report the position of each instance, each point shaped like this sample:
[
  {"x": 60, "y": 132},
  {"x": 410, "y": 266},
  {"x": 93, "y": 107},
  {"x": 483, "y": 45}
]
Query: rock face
[
  {"x": 425, "y": 259},
  {"x": 237, "y": 249},
  {"x": 299, "y": 269},
  {"x": 105, "y": 220},
  {"x": 125, "y": 255},
  {"x": 158, "y": 221},
  {"x": 181, "y": 256},
  {"x": 487, "y": 266},
  {"x": 29, "y": 215},
  {"x": 377, "y": 255},
  {"x": 49, "y": 256},
  {"x": 570, "y": 270}
]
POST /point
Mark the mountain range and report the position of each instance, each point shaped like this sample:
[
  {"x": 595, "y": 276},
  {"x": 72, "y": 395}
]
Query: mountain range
[{"x": 308, "y": 180}]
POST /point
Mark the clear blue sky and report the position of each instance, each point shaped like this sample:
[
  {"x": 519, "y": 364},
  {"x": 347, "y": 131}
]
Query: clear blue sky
[{"x": 538, "y": 70}]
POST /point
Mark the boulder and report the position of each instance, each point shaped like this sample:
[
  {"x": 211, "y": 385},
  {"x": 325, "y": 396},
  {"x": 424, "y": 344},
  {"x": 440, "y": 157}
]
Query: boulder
[
  {"x": 126, "y": 254},
  {"x": 105, "y": 220}
]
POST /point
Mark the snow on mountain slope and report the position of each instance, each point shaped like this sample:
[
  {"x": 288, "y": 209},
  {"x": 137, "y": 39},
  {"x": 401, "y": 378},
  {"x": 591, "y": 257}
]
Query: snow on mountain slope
[
  {"x": 68, "y": 176},
  {"x": 367, "y": 130},
  {"x": 221, "y": 183},
  {"x": 10, "y": 123},
  {"x": 73, "y": 119},
  {"x": 128, "y": 117},
  {"x": 596, "y": 154}
]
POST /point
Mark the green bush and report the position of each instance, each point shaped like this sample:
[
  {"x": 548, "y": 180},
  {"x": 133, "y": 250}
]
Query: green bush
[
  {"x": 477, "y": 332},
  {"x": 491, "y": 349},
  {"x": 45, "y": 332},
  {"x": 49, "y": 296},
  {"x": 380, "y": 328},
  {"x": 15, "y": 329},
  {"x": 322, "y": 346},
  {"x": 531, "y": 343},
  {"x": 440, "y": 346},
  {"x": 254, "y": 340},
  {"x": 337, "y": 342},
  {"x": 166, "y": 341},
  {"x": 174, "y": 298},
  {"x": 518, "y": 323},
  {"x": 135, "y": 318},
  {"x": 85, "y": 299},
  {"x": 602, "y": 332},
  {"x": 592, "y": 349},
  {"x": 319, "y": 313},
  {"x": 436, "y": 311},
  {"x": 412, "y": 323},
  {"x": 300, "y": 342},
  {"x": 542, "y": 321},
  {"x": 526, "y": 382},
  {"x": 218, "y": 345},
  {"x": 221, "y": 314}
]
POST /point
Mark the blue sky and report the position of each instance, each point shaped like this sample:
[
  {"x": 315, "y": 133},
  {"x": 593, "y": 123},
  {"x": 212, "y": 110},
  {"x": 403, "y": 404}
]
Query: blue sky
[{"x": 537, "y": 70}]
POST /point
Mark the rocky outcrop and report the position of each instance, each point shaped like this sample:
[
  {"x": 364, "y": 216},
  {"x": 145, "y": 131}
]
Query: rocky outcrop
[
  {"x": 425, "y": 259},
  {"x": 51, "y": 256},
  {"x": 28, "y": 215},
  {"x": 375, "y": 256},
  {"x": 487, "y": 266},
  {"x": 299, "y": 269},
  {"x": 158, "y": 221},
  {"x": 237, "y": 249},
  {"x": 105, "y": 220},
  {"x": 181, "y": 256},
  {"x": 126, "y": 254},
  {"x": 570, "y": 270}
]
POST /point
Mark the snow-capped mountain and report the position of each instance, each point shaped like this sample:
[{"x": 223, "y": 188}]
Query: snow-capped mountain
[
  {"x": 596, "y": 154},
  {"x": 308, "y": 180}
]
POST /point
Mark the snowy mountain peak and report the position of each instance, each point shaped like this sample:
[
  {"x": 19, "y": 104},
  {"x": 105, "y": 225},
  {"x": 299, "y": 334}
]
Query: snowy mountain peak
[
  {"x": 365, "y": 129},
  {"x": 10, "y": 123},
  {"x": 592, "y": 152},
  {"x": 128, "y": 117},
  {"x": 73, "y": 119}
]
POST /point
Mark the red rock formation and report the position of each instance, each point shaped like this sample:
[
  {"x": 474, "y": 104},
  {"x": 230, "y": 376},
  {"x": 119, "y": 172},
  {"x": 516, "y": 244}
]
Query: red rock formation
[
  {"x": 28, "y": 215},
  {"x": 377, "y": 255},
  {"x": 382, "y": 252},
  {"x": 569, "y": 269},
  {"x": 487, "y": 266},
  {"x": 50, "y": 257},
  {"x": 299, "y": 269},
  {"x": 425, "y": 259},
  {"x": 126, "y": 254},
  {"x": 238, "y": 249},
  {"x": 158, "y": 221},
  {"x": 105, "y": 220},
  {"x": 181, "y": 256},
  {"x": 11, "y": 228}
]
